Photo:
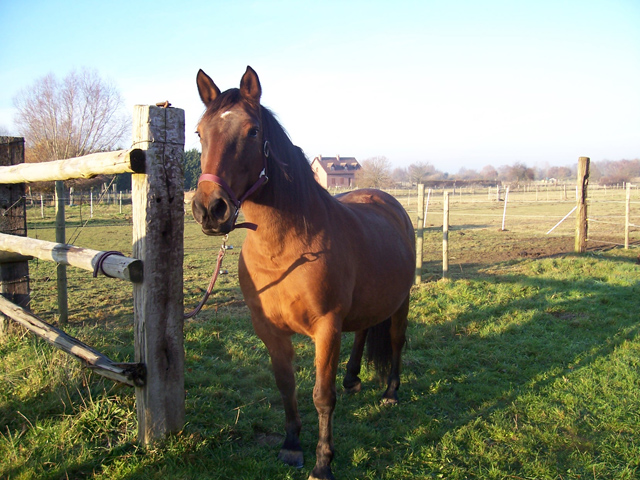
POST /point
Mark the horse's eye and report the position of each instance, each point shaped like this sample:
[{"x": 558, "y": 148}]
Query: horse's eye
[
  {"x": 253, "y": 132},
  {"x": 197, "y": 133}
]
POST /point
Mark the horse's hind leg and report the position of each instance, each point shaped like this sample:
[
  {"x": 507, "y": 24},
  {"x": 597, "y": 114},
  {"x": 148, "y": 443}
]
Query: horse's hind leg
[
  {"x": 398, "y": 338},
  {"x": 351, "y": 382}
]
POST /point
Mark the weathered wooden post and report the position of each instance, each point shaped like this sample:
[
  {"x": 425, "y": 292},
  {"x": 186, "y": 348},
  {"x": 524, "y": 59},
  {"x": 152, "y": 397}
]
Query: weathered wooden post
[
  {"x": 158, "y": 216},
  {"x": 14, "y": 269},
  {"x": 445, "y": 237},
  {"x": 420, "y": 234},
  {"x": 581, "y": 213},
  {"x": 61, "y": 269}
]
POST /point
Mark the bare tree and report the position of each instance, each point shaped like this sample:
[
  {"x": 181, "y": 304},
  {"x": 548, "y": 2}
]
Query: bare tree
[
  {"x": 81, "y": 114},
  {"x": 518, "y": 172},
  {"x": 375, "y": 172},
  {"x": 400, "y": 175},
  {"x": 419, "y": 172},
  {"x": 488, "y": 172}
]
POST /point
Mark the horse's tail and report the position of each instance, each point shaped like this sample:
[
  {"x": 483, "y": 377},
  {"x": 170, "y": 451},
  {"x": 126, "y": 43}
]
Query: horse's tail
[{"x": 379, "y": 348}]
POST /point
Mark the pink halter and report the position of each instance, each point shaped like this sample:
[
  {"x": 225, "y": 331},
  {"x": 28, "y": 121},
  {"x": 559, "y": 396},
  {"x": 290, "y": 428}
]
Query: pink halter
[{"x": 262, "y": 179}]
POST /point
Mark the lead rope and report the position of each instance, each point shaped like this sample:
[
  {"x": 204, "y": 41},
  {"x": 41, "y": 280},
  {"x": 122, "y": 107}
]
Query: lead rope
[{"x": 223, "y": 250}]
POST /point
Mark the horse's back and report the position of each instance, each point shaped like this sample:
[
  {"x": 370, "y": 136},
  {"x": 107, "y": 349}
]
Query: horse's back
[{"x": 370, "y": 204}]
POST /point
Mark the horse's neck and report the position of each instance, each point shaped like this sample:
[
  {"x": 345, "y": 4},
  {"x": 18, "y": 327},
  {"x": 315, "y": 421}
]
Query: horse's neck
[{"x": 278, "y": 228}]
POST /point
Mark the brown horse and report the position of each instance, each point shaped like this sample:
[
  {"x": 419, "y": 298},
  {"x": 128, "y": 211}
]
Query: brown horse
[{"x": 312, "y": 263}]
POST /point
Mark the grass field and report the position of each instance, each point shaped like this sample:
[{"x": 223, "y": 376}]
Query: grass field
[{"x": 525, "y": 365}]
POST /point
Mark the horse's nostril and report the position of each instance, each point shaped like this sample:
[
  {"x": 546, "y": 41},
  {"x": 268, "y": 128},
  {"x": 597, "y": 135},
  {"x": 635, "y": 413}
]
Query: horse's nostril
[
  {"x": 198, "y": 211},
  {"x": 218, "y": 208}
]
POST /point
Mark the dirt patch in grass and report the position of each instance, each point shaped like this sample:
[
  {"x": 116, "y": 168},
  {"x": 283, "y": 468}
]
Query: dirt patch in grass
[{"x": 472, "y": 250}]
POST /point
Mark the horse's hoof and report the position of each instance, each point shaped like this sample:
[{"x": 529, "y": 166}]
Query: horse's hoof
[
  {"x": 355, "y": 388},
  {"x": 323, "y": 473},
  {"x": 389, "y": 401},
  {"x": 293, "y": 458}
]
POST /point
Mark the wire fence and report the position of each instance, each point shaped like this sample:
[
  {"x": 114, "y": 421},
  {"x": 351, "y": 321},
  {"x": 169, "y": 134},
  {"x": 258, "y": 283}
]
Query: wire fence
[{"x": 522, "y": 225}]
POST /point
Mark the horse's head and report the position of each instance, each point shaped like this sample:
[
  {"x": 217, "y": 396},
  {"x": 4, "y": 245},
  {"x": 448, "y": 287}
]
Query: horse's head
[{"x": 233, "y": 152}]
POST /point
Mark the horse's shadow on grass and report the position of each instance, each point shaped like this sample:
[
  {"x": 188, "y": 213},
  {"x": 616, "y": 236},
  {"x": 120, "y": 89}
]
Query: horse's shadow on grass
[
  {"x": 452, "y": 374},
  {"x": 456, "y": 370}
]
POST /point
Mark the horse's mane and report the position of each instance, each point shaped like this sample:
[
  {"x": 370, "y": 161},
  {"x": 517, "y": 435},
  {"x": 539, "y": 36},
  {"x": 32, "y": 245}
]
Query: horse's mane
[
  {"x": 290, "y": 171},
  {"x": 292, "y": 185}
]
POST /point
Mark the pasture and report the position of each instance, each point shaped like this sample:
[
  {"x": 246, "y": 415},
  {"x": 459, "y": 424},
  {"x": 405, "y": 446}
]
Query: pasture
[{"x": 525, "y": 365}]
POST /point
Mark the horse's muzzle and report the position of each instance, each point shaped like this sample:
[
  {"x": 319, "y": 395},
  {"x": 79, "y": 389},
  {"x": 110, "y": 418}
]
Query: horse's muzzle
[{"x": 215, "y": 213}]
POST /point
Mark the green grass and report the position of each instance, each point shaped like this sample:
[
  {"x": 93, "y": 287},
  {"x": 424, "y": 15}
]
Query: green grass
[{"x": 528, "y": 368}]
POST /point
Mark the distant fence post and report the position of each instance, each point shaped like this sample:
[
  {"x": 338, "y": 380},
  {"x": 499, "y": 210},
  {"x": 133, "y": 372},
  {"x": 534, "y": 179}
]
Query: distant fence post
[
  {"x": 581, "y": 214},
  {"x": 14, "y": 270},
  {"x": 420, "y": 234},
  {"x": 445, "y": 237},
  {"x": 158, "y": 213},
  {"x": 61, "y": 269}
]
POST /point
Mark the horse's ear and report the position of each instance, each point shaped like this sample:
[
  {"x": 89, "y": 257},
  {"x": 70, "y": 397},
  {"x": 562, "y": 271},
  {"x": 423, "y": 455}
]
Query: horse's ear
[
  {"x": 206, "y": 88},
  {"x": 250, "y": 86}
]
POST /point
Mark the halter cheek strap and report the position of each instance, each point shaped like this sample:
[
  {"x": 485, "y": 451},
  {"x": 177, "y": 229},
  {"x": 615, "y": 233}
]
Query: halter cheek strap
[{"x": 262, "y": 179}]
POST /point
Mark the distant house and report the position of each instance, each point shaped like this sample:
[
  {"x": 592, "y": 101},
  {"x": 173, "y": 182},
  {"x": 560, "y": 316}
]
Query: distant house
[{"x": 335, "y": 171}]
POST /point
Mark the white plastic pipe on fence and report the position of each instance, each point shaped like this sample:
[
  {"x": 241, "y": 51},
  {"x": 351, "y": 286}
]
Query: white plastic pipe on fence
[
  {"x": 426, "y": 209},
  {"x": 504, "y": 212},
  {"x": 445, "y": 236},
  {"x": 563, "y": 219}
]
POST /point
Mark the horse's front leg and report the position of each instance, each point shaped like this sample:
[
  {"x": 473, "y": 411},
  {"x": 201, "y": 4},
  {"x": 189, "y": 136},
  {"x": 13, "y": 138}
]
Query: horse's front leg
[
  {"x": 327, "y": 340},
  {"x": 281, "y": 352}
]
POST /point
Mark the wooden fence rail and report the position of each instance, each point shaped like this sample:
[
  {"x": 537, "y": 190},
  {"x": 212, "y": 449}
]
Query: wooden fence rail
[
  {"x": 132, "y": 374},
  {"x": 89, "y": 166},
  {"x": 117, "y": 266}
]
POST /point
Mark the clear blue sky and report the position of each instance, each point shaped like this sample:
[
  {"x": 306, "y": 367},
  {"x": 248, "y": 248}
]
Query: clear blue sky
[{"x": 451, "y": 82}]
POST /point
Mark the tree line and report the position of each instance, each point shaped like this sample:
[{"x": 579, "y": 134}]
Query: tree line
[
  {"x": 82, "y": 114},
  {"x": 378, "y": 172}
]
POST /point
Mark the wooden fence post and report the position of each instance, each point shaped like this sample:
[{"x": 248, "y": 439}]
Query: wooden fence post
[
  {"x": 445, "y": 237},
  {"x": 581, "y": 214},
  {"x": 14, "y": 270},
  {"x": 158, "y": 228},
  {"x": 420, "y": 234},
  {"x": 61, "y": 269}
]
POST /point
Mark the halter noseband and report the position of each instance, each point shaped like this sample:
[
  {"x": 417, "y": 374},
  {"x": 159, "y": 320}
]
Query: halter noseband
[{"x": 262, "y": 179}]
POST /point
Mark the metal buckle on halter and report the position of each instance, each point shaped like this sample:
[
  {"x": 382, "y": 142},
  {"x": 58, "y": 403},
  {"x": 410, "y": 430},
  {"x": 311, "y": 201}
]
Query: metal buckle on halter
[{"x": 263, "y": 174}]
